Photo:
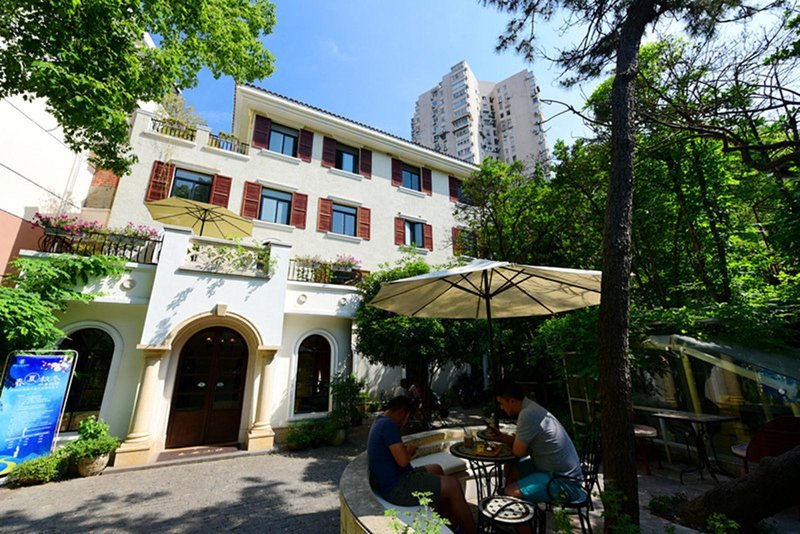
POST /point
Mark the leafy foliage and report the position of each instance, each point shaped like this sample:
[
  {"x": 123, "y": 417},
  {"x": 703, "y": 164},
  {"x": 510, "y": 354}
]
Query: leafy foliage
[
  {"x": 346, "y": 391},
  {"x": 93, "y": 440},
  {"x": 665, "y": 505},
  {"x": 37, "y": 289},
  {"x": 311, "y": 433},
  {"x": 390, "y": 339},
  {"x": 40, "y": 470},
  {"x": 88, "y": 59},
  {"x": 420, "y": 345},
  {"x": 425, "y": 519}
]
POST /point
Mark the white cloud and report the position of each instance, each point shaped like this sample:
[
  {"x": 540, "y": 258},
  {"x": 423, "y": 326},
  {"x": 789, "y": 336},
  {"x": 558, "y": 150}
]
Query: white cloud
[{"x": 333, "y": 50}]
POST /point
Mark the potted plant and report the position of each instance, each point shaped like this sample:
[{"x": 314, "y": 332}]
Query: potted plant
[
  {"x": 93, "y": 447},
  {"x": 345, "y": 262}
]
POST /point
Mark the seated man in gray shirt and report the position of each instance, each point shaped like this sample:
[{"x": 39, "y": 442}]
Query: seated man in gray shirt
[{"x": 543, "y": 446}]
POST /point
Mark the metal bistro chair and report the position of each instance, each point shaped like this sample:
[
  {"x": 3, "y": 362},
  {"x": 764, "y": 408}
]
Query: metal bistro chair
[
  {"x": 590, "y": 456},
  {"x": 505, "y": 511}
]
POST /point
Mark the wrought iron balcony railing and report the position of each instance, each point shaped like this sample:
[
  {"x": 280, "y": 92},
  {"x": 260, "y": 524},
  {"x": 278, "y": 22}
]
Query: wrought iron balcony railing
[
  {"x": 323, "y": 273},
  {"x": 173, "y": 129},
  {"x": 136, "y": 249},
  {"x": 228, "y": 143}
]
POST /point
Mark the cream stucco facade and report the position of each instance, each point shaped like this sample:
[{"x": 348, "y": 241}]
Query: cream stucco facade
[{"x": 158, "y": 313}]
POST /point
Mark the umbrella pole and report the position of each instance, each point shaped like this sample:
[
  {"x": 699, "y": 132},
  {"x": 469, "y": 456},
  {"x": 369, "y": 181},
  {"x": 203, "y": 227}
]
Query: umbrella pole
[{"x": 492, "y": 356}]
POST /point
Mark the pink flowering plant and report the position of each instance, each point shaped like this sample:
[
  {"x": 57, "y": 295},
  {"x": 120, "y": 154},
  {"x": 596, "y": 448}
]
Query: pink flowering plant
[
  {"x": 137, "y": 231},
  {"x": 68, "y": 225},
  {"x": 346, "y": 260},
  {"x": 74, "y": 227}
]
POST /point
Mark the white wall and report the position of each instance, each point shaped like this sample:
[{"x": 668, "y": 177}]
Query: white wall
[
  {"x": 180, "y": 294},
  {"x": 37, "y": 170}
]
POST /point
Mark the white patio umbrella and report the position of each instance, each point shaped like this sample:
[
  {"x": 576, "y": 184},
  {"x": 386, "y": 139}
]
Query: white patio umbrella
[{"x": 484, "y": 289}]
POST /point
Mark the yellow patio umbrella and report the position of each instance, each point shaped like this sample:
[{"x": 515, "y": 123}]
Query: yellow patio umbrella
[{"x": 204, "y": 219}]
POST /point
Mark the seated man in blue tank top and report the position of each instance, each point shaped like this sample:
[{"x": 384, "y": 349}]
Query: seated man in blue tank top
[
  {"x": 393, "y": 478},
  {"x": 543, "y": 446}
]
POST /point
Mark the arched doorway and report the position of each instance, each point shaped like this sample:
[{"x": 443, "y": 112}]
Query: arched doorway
[
  {"x": 95, "y": 349},
  {"x": 313, "y": 378},
  {"x": 209, "y": 389}
]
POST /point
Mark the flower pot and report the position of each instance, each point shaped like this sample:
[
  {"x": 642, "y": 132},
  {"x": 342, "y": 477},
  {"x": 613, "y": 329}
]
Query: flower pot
[
  {"x": 93, "y": 465},
  {"x": 339, "y": 437}
]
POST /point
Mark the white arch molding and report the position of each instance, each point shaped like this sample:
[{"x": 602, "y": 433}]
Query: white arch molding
[
  {"x": 331, "y": 339},
  {"x": 116, "y": 358}
]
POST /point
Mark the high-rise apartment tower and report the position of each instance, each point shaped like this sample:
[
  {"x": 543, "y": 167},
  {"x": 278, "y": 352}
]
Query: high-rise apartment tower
[{"x": 472, "y": 120}]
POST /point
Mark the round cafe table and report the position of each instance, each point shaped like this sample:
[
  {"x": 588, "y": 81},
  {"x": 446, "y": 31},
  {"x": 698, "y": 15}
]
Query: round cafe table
[{"x": 486, "y": 467}]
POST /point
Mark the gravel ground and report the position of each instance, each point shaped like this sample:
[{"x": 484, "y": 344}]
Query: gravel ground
[{"x": 275, "y": 492}]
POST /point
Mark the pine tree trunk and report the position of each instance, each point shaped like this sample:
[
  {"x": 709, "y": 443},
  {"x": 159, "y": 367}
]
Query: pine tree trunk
[
  {"x": 615, "y": 377},
  {"x": 771, "y": 488}
]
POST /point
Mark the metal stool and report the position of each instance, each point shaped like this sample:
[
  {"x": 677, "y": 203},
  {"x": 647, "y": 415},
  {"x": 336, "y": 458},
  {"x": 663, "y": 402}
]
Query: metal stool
[{"x": 502, "y": 510}]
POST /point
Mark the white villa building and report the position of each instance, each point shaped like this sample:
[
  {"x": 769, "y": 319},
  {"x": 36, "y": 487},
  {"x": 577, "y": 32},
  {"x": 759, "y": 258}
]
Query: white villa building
[{"x": 186, "y": 351}]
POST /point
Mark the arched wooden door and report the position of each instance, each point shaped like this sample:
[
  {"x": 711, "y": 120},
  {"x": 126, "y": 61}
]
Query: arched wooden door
[{"x": 209, "y": 389}]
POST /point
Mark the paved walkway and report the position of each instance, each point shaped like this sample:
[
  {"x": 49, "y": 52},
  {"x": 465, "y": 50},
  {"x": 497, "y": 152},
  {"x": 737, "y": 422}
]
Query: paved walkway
[{"x": 275, "y": 492}]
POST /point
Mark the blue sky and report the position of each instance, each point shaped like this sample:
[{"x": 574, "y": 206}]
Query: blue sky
[{"x": 370, "y": 60}]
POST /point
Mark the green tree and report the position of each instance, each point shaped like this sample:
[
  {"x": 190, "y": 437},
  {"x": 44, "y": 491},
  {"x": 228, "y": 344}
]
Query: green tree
[
  {"x": 31, "y": 298},
  {"x": 89, "y": 59},
  {"x": 420, "y": 345},
  {"x": 614, "y": 31}
]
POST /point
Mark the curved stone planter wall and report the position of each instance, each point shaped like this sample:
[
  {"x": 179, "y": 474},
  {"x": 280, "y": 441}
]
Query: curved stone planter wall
[{"x": 359, "y": 510}]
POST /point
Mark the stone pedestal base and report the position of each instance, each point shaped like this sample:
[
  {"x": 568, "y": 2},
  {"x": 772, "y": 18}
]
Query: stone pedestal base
[
  {"x": 260, "y": 439},
  {"x": 133, "y": 454}
]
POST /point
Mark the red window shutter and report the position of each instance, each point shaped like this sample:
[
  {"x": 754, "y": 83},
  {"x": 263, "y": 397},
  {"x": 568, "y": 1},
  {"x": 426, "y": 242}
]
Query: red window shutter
[
  {"x": 160, "y": 180},
  {"x": 299, "y": 209},
  {"x": 456, "y": 244},
  {"x": 261, "y": 132},
  {"x": 328, "y": 152},
  {"x": 454, "y": 187},
  {"x": 399, "y": 231},
  {"x": 366, "y": 163},
  {"x": 251, "y": 200},
  {"x": 325, "y": 216},
  {"x": 427, "y": 187},
  {"x": 397, "y": 172},
  {"x": 364, "y": 223},
  {"x": 220, "y": 190},
  {"x": 306, "y": 144},
  {"x": 427, "y": 236}
]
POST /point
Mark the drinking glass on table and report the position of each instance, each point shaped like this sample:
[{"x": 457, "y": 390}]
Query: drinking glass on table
[{"x": 469, "y": 441}]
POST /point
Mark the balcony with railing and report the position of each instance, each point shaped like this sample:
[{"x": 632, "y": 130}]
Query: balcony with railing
[
  {"x": 230, "y": 258},
  {"x": 324, "y": 272},
  {"x": 229, "y": 144},
  {"x": 173, "y": 128},
  {"x": 86, "y": 243}
]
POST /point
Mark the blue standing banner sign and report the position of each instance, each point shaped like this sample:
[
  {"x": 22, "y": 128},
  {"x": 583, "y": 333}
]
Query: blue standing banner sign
[{"x": 32, "y": 399}]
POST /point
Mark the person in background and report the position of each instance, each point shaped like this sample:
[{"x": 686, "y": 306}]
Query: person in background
[
  {"x": 543, "y": 446},
  {"x": 402, "y": 389},
  {"x": 393, "y": 478}
]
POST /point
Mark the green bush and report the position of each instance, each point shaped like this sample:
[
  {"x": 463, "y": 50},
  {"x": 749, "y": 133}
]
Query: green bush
[
  {"x": 40, "y": 470},
  {"x": 346, "y": 391},
  {"x": 91, "y": 448},
  {"x": 665, "y": 505},
  {"x": 312, "y": 433}
]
